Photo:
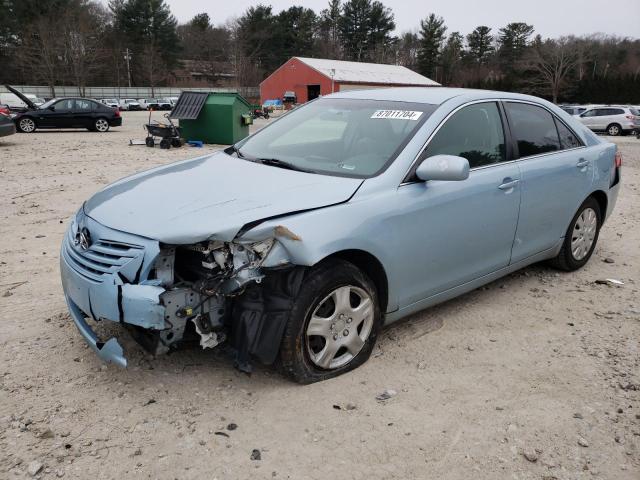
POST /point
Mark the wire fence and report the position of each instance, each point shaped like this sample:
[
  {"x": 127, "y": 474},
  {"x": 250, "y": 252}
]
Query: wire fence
[{"x": 125, "y": 92}]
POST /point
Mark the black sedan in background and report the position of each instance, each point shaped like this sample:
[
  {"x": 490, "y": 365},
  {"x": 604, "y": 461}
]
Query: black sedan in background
[{"x": 68, "y": 113}]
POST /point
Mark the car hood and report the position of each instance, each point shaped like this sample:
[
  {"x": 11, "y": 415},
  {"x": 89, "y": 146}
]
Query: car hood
[
  {"x": 211, "y": 197},
  {"x": 17, "y": 93}
]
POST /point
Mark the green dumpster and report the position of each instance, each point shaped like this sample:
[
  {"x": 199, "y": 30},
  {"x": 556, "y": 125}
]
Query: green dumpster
[{"x": 213, "y": 117}]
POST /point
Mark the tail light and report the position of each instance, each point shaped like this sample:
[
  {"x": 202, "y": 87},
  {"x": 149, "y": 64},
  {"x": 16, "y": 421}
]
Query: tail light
[
  {"x": 618, "y": 159},
  {"x": 117, "y": 113},
  {"x": 630, "y": 117}
]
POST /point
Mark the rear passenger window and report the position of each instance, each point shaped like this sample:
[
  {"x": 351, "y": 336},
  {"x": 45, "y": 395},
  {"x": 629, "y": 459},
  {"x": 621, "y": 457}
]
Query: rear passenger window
[
  {"x": 567, "y": 138},
  {"x": 474, "y": 132},
  {"x": 85, "y": 105},
  {"x": 534, "y": 129}
]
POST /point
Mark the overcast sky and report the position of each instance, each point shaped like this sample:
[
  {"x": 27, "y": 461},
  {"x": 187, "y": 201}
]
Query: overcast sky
[{"x": 549, "y": 17}]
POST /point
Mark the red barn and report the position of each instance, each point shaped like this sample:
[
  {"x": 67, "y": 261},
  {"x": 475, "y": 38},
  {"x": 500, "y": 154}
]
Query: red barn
[{"x": 312, "y": 77}]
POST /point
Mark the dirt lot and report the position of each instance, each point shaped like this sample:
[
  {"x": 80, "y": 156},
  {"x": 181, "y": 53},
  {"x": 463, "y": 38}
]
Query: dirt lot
[{"x": 536, "y": 376}]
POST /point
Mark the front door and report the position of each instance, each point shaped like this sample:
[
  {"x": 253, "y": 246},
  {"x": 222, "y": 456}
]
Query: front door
[
  {"x": 451, "y": 232},
  {"x": 57, "y": 115}
]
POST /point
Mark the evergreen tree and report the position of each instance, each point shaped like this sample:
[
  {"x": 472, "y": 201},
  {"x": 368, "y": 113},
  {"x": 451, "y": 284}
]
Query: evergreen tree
[
  {"x": 480, "y": 44},
  {"x": 451, "y": 56},
  {"x": 255, "y": 35},
  {"x": 329, "y": 31},
  {"x": 149, "y": 31},
  {"x": 432, "y": 32},
  {"x": 513, "y": 40},
  {"x": 365, "y": 29},
  {"x": 294, "y": 35}
]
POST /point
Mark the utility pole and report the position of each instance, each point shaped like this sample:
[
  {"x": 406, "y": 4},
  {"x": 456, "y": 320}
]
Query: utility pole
[
  {"x": 127, "y": 57},
  {"x": 332, "y": 72}
]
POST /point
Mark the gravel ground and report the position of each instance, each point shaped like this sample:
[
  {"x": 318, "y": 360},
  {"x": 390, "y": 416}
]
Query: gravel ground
[{"x": 536, "y": 376}]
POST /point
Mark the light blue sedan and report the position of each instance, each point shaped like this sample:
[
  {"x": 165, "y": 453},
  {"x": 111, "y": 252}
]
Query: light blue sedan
[{"x": 297, "y": 244}]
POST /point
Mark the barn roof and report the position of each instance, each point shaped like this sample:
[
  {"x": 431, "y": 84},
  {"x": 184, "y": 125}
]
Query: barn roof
[{"x": 360, "y": 72}]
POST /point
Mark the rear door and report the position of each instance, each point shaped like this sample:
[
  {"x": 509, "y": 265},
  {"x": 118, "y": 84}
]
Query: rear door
[
  {"x": 556, "y": 170},
  {"x": 83, "y": 113}
]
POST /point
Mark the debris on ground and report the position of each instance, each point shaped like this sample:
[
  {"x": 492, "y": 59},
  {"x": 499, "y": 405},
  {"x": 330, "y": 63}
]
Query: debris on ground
[
  {"x": 34, "y": 468},
  {"x": 530, "y": 455},
  {"x": 609, "y": 281},
  {"x": 255, "y": 454},
  {"x": 386, "y": 395}
]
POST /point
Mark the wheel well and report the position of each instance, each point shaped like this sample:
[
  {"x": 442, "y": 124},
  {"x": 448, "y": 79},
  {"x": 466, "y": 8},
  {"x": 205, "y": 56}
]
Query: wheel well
[
  {"x": 614, "y": 123},
  {"x": 372, "y": 267},
  {"x": 602, "y": 200}
]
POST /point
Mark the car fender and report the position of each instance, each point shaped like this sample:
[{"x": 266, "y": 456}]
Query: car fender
[{"x": 307, "y": 238}]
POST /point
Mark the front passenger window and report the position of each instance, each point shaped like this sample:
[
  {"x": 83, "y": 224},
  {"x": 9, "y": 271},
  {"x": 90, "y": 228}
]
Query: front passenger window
[
  {"x": 65, "y": 105},
  {"x": 474, "y": 132}
]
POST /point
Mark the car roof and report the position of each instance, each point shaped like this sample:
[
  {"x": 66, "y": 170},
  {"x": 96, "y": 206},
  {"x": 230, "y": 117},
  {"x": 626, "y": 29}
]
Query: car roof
[{"x": 428, "y": 95}]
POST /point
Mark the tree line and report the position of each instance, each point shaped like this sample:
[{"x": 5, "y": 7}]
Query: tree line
[{"x": 140, "y": 42}]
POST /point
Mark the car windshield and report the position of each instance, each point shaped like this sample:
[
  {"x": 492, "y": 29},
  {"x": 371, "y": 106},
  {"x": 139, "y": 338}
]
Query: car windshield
[
  {"x": 342, "y": 137},
  {"x": 49, "y": 103}
]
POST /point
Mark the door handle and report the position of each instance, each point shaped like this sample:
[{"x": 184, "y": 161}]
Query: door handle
[
  {"x": 582, "y": 163},
  {"x": 509, "y": 184}
]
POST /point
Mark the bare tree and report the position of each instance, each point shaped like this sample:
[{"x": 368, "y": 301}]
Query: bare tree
[
  {"x": 41, "y": 54},
  {"x": 551, "y": 65},
  {"x": 81, "y": 31}
]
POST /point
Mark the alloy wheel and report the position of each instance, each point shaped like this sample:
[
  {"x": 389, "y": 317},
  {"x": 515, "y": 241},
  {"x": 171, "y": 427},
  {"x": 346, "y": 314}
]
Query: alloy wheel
[
  {"x": 102, "y": 125},
  {"x": 614, "y": 130},
  {"x": 27, "y": 125},
  {"x": 584, "y": 233},
  {"x": 339, "y": 327}
]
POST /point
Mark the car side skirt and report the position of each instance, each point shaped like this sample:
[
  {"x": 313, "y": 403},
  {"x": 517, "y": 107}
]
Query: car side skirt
[{"x": 472, "y": 285}]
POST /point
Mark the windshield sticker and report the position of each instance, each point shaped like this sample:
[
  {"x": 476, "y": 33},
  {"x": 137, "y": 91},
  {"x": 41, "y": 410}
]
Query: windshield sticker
[{"x": 397, "y": 114}]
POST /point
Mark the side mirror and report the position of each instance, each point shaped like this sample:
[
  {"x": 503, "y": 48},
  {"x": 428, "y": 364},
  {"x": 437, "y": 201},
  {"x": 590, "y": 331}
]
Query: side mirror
[{"x": 443, "y": 167}]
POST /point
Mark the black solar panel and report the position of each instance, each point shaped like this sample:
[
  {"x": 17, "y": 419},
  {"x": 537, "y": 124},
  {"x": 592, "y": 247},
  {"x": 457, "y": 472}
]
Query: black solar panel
[{"x": 189, "y": 105}]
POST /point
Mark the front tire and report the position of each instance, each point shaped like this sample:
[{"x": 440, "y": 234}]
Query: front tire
[
  {"x": 333, "y": 325},
  {"x": 27, "y": 125},
  {"x": 581, "y": 237}
]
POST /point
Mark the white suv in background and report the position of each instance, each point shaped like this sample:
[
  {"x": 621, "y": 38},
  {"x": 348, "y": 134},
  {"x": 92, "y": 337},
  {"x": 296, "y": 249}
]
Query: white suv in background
[{"x": 613, "y": 120}]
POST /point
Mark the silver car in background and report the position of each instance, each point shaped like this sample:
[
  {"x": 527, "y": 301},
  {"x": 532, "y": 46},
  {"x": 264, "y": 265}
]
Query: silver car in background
[
  {"x": 299, "y": 243},
  {"x": 613, "y": 120}
]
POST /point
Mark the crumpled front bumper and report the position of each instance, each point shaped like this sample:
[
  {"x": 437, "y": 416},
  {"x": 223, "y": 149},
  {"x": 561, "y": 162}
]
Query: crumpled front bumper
[
  {"x": 109, "y": 351},
  {"x": 109, "y": 287}
]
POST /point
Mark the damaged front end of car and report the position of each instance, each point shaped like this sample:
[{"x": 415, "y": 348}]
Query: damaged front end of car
[{"x": 213, "y": 290}]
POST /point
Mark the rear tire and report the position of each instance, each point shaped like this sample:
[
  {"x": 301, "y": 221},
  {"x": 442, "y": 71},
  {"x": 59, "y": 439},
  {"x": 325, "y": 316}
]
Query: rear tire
[
  {"x": 581, "y": 237},
  {"x": 149, "y": 142},
  {"x": 614, "y": 130},
  {"x": 101, "y": 125},
  {"x": 165, "y": 144},
  {"x": 348, "y": 331},
  {"x": 26, "y": 125}
]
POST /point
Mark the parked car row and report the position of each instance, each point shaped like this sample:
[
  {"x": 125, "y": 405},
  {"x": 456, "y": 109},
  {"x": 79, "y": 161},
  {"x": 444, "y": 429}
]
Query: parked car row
[
  {"x": 610, "y": 119},
  {"x": 140, "y": 103}
]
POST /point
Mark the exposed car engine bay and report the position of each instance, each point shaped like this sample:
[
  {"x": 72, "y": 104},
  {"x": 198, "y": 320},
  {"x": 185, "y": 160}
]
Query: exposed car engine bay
[{"x": 220, "y": 291}]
